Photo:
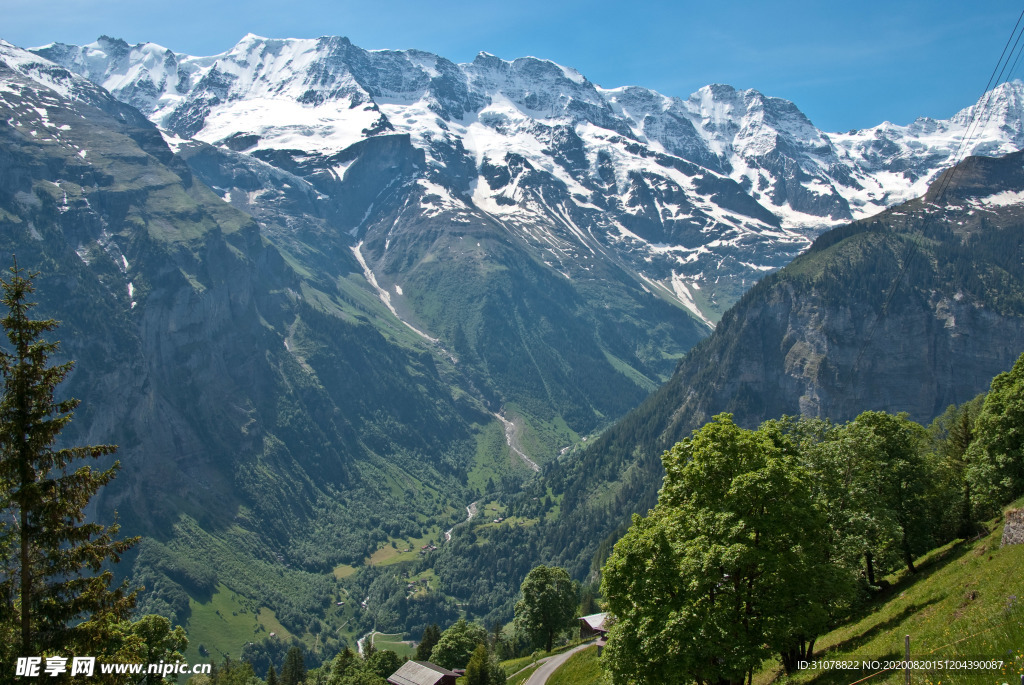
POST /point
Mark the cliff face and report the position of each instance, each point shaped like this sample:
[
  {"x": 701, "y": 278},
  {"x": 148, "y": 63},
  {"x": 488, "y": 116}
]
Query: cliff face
[
  {"x": 910, "y": 311},
  {"x": 793, "y": 352}
]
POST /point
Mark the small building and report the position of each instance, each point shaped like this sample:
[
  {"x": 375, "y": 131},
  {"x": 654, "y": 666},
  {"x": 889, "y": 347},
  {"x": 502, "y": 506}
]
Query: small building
[
  {"x": 592, "y": 625},
  {"x": 422, "y": 673},
  {"x": 595, "y": 624}
]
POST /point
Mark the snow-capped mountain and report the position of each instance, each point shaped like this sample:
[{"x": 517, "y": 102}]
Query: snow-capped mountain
[
  {"x": 698, "y": 197},
  {"x": 441, "y": 277}
]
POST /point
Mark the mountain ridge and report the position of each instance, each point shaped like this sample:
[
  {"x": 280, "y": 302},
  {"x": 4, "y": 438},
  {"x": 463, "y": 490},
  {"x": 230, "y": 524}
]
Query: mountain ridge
[
  {"x": 911, "y": 311},
  {"x": 646, "y": 176}
]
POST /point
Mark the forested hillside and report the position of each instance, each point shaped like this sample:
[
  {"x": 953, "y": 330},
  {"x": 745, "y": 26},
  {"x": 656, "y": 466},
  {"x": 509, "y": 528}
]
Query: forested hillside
[{"x": 254, "y": 411}]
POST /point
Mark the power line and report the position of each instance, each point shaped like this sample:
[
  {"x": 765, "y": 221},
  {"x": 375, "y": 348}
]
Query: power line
[
  {"x": 973, "y": 127},
  {"x": 947, "y": 178}
]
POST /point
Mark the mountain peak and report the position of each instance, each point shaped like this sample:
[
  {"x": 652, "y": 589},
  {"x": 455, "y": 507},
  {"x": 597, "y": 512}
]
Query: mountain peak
[
  {"x": 657, "y": 176},
  {"x": 118, "y": 43}
]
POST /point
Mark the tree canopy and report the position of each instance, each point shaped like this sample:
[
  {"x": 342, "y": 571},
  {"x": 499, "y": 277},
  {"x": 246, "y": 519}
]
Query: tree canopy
[
  {"x": 730, "y": 566},
  {"x": 457, "y": 644},
  {"x": 995, "y": 459},
  {"x": 158, "y": 642},
  {"x": 548, "y": 606}
]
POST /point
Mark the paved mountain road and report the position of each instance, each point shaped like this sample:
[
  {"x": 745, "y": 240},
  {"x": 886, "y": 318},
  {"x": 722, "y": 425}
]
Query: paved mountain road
[{"x": 550, "y": 664}]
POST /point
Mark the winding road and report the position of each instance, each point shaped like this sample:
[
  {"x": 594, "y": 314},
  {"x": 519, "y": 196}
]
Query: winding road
[{"x": 551, "y": 664}]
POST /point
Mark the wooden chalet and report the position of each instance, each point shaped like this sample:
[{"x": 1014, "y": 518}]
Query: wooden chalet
[
  {"x": 595, "y": 625},
  {"x": 422, "y": 673}
]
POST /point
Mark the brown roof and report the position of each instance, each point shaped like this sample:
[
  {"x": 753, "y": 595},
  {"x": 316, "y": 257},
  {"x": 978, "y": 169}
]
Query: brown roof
[{"x": 420, "y": 673}]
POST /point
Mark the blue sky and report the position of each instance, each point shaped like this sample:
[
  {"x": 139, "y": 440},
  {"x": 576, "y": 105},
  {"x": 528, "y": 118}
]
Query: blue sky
[{"x": 846, "y": 65}]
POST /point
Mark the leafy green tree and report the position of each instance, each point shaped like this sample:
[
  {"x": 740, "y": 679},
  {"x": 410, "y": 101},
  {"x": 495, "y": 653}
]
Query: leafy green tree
[
  {"x": 59, "y": 596},
  {"x": 729, "y": 567},
  {"x": 272, "y": 676},
  {"x": 876, "y": 481},
  {"x": 548, "y": 606},
  {"x": 844, "y": 483},
  {"x": 158, "y": 642},
  {"x": 996, "y": 457},
  {"x": 384, "y": 662},
  {"x": 901, "y": 476},
  {"x": 457, "y": 643},
  {"x": 431, "y": 634},
  {"x": 641, "y": 581}
]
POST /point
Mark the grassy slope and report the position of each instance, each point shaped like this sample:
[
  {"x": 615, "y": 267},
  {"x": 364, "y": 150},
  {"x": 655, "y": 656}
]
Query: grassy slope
[
  {"x": 965, "y": 603},
  {"x": 582, "y": 668},
  {"x": 395, "y": 643},
  {"x": 224, "y": 623},
  {"x": 962, "y": 604}
]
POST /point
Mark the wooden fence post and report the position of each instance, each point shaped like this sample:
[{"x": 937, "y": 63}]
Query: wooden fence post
[{"x": 906, "y": 663}]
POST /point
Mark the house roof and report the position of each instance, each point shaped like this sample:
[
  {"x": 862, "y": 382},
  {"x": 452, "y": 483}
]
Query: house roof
[
  {"x": 596, "y": 621},
  {"x": 419, "y": 673}
]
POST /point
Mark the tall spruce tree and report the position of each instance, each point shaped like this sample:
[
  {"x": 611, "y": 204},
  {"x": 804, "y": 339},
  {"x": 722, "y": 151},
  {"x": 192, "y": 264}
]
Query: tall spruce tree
[
  {"x": 56, "y": 594},
  {"x": 431, "y": 634},
  {"x": 293, "y": 671}
]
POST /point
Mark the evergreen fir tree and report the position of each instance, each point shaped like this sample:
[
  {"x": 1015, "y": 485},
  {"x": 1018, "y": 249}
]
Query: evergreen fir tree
[
  {"x": 477, "y": 669},
  {"x": 343, "y": 664},
  {"x": 272, "y": 676},
  {"x": 293, "y": 671},
  {"x": 483, "y": 668},
  {"x": 431, "y": 634},
  {"x": 58, "y": 595}
]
